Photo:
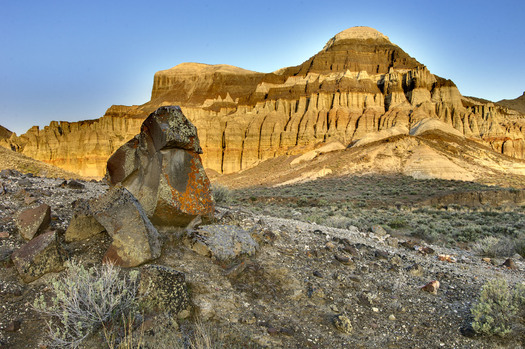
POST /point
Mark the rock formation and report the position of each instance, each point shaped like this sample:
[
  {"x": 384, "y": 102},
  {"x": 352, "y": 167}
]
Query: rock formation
[
  {"x": 358, "y": 83},
  {"x": 4, "y": 133},
  {"x": 162, "y": 168}
]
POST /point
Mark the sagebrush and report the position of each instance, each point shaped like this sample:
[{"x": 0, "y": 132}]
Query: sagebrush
[
  {"x": 84, "y": 301},
  {"x": 498, "y": 308}
]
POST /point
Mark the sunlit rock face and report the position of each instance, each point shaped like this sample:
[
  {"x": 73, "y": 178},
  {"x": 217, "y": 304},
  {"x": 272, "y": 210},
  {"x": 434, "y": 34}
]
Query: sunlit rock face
[
  {"x": 161, "y": 167},
  {"x": 358, "y": 83}
]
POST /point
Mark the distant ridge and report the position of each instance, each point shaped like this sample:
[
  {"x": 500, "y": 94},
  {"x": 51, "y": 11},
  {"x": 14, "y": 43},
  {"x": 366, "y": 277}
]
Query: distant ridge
[
  {"x": 517, "y": 104},
  {"x": 359, "y": 86}
]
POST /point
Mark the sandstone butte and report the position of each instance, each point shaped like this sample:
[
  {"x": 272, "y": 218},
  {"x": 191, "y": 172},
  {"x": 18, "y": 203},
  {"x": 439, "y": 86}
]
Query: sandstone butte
[{"x": 358, "y": 83}]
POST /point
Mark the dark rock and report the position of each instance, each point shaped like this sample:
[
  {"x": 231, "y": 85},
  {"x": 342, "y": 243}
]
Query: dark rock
[
  {"x": 13, "y": 326},
  {"x": 509, "y": 263},
  {"x": 33, "y": 221},
  {"x": 162, "y": 168},
  {"x": 431, "y": 287},
  {"x": 72, "y": 184},
  {"x": 381, "y": 254},
  {"x": 135, "y": 239},
  {"x": 467, "y": 330},
  {"x": 39, "y": 256},
  {"x": 24, "y": 182},
  {"x": 272, "y": 331},
  {"x": 9, "y": 173},
  {"x": 82, "y": 224},
  {"x": 318, "y": 274},
  {"x": 165, "y": 289},
  {"x": 343, "y": 259}
]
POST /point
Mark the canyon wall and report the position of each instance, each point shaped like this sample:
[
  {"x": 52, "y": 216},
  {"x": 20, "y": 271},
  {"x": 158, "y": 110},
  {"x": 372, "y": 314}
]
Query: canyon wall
[{"x": 359, "y": 83}]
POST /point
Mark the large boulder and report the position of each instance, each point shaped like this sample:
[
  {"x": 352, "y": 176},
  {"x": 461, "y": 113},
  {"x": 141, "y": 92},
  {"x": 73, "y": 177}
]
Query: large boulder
[
  {"x": 162, "y": 168},
  {"x": 82, "y": 224},
  {"x": 135, "y": 239},
  {"x": 39, "y": 256}
]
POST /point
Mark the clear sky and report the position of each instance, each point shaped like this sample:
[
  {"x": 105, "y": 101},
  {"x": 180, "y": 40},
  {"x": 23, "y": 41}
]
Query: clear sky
[{"x": 71, "y": 60}]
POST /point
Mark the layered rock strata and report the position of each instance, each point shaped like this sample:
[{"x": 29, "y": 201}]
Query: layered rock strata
[{"x": 358, "y": 83}]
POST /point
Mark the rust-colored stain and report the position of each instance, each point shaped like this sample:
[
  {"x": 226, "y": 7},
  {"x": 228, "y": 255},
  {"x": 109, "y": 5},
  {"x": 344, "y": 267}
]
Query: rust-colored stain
[{"x": 196, "y": 199}]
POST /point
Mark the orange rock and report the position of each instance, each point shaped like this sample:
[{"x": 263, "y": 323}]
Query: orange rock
[{"x": 431, "y": 287}]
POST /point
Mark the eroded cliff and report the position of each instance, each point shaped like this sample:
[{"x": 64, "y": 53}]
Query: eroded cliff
[{"x": 358, "y": 83}]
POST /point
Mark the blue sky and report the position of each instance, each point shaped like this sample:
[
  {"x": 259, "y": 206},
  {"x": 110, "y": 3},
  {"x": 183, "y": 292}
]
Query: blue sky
[{"x": 71, "y": 60}]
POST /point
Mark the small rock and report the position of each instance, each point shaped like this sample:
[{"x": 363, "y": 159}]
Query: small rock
[
  {"x": 330, "y": 246},
  {"x": 344, "y": 259},
  {"x": 425, "y": 250},
  {"x": 4, "y": 234},
  {"x": 375, "y": 310},
  {"x": 381, "y": 254},
  {"x": 431, "y": 287},
  {"x": 342, "y": 323},
  {"x": 13, "y": 326},
  {"x": 350, "y": 250},
  {"x": 392, "y": 317},
  {"x": 446, "y": 258},
  {"x": 318, "y": 274},
  {"x": 72, "y": 184},
  {"x": 509, "y": 263},
  {"x": 286, "y": 331},
  {"x": 272, "y": 331},
  {"x": 487, "y": 260}
]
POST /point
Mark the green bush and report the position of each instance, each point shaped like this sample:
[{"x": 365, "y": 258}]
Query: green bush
[
  {"x": 491, "y": 246},
  {"x": 497, "y": 308},
  {"x": 86, "y": 300}
]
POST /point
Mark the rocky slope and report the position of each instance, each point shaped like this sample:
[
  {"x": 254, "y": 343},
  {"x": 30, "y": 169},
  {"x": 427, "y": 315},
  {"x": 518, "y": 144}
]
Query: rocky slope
[
  {"x": 4, "y": 133},
  {"x": 516, "y": 104},
  {"x": 19, "y": 162},
  {"x": 358, "y": 83},
  {"x": 292, "y": 292}
]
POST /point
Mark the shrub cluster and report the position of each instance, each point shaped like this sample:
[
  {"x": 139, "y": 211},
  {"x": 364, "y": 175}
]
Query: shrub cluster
[
  {"x": 86, "y": 300},
  {"x": 498, "y": 308}
]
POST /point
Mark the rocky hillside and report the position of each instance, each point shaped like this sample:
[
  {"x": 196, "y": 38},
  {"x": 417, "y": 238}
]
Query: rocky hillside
[
  {"x": 357, "y": 84},
  {"x": 516, "y": 104},
  {"x": 19, "y": 162},
  {"x": 4, "y": 132}
]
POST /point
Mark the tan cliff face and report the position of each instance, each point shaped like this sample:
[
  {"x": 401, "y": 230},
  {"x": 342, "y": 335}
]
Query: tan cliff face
[{"x": 357, "y": 84}]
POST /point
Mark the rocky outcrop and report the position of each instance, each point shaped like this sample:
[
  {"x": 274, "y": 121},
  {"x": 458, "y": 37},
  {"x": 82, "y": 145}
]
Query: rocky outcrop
[
  {"x": 162, "y": 168},
  {"x": 4, "y": 133},
  {"x": 357, "y": 84}
]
